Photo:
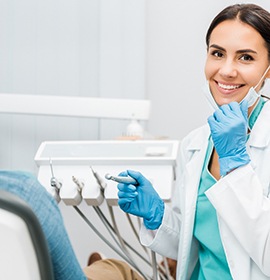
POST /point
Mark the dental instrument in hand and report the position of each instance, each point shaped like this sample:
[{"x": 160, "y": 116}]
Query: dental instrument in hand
[{"x": 121, "y": 179}]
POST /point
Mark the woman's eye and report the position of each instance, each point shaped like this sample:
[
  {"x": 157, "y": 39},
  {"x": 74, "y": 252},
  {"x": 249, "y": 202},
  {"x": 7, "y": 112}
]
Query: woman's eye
[
  {"x": 246, "y": 57},
  {"x": 217, "y": 53}
]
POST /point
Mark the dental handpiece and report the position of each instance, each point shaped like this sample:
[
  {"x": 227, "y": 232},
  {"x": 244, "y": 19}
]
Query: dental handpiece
[
  {"x": 100, "y": 182},
  {"x": 55, "y": 183},
  {"x": 121, "y": 179}
]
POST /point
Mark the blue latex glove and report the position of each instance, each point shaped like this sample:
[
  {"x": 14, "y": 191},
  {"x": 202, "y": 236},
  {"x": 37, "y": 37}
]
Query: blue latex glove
[
  {"x": 229, "y": 126},
  {"x": 141, "y": 200}
]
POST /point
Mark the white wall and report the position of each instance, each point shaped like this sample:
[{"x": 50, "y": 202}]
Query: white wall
[
  {"x": 150, "y": 49},
  {"x": 67, "y": 47}
]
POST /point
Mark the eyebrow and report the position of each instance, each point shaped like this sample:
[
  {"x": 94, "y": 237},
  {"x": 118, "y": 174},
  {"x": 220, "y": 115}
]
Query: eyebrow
[{"x": 239, "y": 51}]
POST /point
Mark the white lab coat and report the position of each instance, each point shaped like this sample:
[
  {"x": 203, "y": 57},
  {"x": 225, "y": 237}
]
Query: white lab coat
[{"x": 240, "y": 199}]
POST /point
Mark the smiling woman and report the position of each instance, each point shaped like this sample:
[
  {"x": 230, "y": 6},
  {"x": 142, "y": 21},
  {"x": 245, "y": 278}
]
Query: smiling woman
[{"x": 218, "y": 222}]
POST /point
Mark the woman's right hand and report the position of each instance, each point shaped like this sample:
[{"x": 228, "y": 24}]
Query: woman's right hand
[{"x": 141, "y": 200}]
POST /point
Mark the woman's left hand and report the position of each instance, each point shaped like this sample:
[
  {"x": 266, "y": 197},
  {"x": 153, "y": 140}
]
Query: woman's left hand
[{"x": 229, "y": 126}]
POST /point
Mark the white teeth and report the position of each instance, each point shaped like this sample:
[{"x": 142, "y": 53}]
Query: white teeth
[{"x": 228, "y": 86}]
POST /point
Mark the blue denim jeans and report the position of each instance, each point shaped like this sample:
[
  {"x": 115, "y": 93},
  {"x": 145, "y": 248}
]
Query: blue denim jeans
[{"x": 27, "y": 187}]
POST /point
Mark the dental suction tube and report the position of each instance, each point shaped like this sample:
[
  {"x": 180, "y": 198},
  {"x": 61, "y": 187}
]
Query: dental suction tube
[{"x": 121, "y": 179}]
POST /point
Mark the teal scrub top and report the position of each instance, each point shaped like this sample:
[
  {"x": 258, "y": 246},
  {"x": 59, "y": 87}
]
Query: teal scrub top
[{"x": 212, "y": 263}]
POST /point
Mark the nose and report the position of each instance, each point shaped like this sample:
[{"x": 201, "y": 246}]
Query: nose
[{"x": 228, "y": 69}]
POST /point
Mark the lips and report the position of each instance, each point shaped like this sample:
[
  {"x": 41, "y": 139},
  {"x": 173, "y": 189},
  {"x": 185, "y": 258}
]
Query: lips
[{"x": 227, "y": 88}]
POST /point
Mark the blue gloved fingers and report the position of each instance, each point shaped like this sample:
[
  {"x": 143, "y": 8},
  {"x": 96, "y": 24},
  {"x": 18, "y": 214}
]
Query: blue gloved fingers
[
  {"x": 228, "y": 111},
  {"x": 126, "y": 198},
  {"x": 211, "y": 119},
  {"x": 127, "y": 195},
  {"x": 126, "y": 188},
  {"x": 219, "y": 115},
  {"x": 225, "y": 109},
  {"x": 123, "y": 173},
  {"x": 214, "y": 125},
  {"x": 138, "y": 177},
  {"x": 134, "y": 174},
  {"x": 234, "y": 106},
  {"x": 236, "y": 110}
]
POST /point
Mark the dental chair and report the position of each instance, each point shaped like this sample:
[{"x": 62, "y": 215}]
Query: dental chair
[{"x": 24, "y": 253}]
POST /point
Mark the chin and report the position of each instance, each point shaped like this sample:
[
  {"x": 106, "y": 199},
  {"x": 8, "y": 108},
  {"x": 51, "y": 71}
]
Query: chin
[{"x": 223, "y": 101}]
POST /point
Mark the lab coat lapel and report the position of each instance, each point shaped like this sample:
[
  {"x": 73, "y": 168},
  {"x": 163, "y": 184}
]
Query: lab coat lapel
[
  {"x": 197, "y": 147},
  {"x": 195, "y": 151},
  {"x": 260, "y": 134}
]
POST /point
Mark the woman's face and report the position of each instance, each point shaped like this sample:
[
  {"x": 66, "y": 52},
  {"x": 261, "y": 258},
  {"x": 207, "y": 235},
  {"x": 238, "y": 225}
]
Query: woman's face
[{"x": 237, "y": 58}]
